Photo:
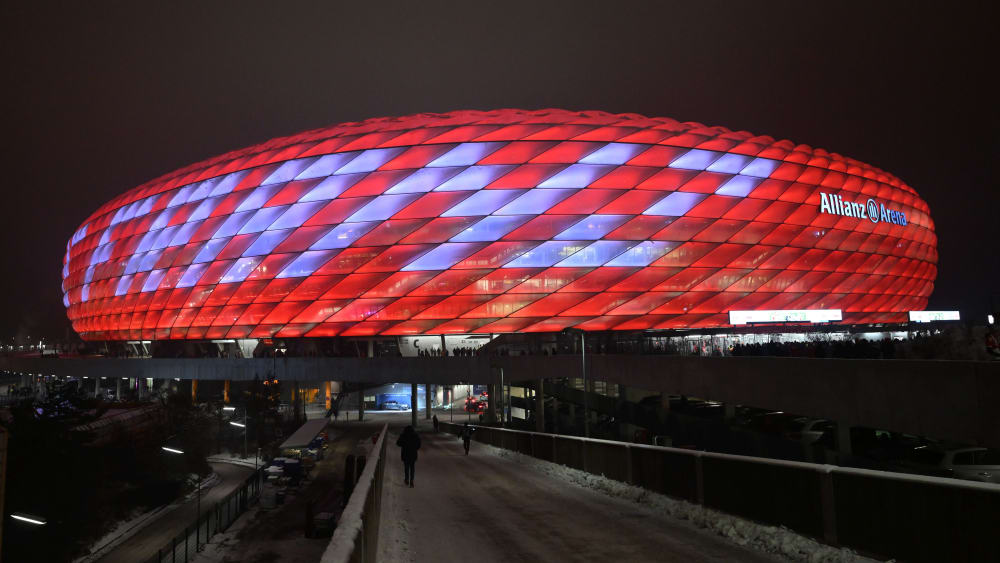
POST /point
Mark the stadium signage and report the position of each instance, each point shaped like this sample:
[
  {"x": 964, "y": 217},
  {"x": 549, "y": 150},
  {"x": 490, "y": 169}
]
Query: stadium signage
[
  {"x": 785, "y": 316},
  {"x": 931, "y": 316},
  {"x": 871, "y": 209}
]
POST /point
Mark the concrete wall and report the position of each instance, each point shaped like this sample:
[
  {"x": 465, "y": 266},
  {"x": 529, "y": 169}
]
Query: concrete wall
[{"x": 913, "y": 518}]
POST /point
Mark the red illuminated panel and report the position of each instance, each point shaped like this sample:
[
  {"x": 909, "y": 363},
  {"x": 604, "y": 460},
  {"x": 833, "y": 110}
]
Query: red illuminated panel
[{"x": 410, "y": 226}]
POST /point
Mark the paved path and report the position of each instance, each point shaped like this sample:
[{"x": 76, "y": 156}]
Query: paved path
[
  {"x": 494, "y": 509},
  {"x": 144, "y": 544}
]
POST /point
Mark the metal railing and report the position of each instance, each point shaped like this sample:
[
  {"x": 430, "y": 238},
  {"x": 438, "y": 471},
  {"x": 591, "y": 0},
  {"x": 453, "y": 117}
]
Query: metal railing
[
  {"x": 910, "y": 517},
  {"x": 186, "y": 545},
  {"x": 356, "y": 537}
]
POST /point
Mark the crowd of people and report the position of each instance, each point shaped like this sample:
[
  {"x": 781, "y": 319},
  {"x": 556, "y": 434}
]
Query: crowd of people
[
  {"x": 948, "y": 345},
  {"x": 460, "y": 351},
  {"x": 860, "y": 348}
]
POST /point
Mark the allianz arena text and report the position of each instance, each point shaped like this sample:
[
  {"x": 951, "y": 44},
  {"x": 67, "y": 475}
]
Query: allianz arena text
[{"x": 499, "y": 221}]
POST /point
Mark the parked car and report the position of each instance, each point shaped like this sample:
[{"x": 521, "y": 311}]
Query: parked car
[
  {"x": 772, "y": 423},
  {"x": 973, "y": 464},
  {"x": 809, "y": 430},
  {"x": 394, "y": 406}
]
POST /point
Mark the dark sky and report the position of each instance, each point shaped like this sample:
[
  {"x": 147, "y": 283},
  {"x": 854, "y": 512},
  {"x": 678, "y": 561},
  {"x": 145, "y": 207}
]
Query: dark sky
[{"x": 101, "y": 97}]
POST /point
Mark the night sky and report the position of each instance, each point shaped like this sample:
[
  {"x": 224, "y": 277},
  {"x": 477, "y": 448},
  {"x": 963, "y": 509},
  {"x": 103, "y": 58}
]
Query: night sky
[{"x": 101, "y": 97}]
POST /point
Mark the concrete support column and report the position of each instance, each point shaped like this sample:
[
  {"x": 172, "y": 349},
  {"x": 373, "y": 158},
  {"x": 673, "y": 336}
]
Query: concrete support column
[
  {"x": 621, "y": 395},
  {"x": 427, "y": 402},
  {"x": 118, "y": 389},
  {"x": 540, "y": 405},
  {"x": 444, "y": 351},
  {"x": 97, "y": 387},
  {"x": 361, "y": 402},
  {"x": 328, "y": 391},
  {"x": 413, "y": 405},
  {"x": 371, "y": 348},
  {"x": 591, "y": 388},
  {"x": 297, "y": 403},
  {"x": 491, "y": 408},
  {"x": 194, "y": 390},
  {"x": 225, "y": 391}
]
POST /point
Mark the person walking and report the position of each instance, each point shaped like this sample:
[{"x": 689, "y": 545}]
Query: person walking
[
  {"x": 434, "y": 419},
  {"x": 408, "y": 443},
  {"x": 467, "y": 436}
]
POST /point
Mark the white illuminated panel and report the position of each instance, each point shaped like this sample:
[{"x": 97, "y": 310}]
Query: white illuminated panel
[
  {"x": 929, "y": 316},
  {"x": 785, "y": 316}
]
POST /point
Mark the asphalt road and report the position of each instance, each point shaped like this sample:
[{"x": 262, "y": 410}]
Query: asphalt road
[
  {"x": 498, "y": 510},
  {"x": 144, "y": 544}
]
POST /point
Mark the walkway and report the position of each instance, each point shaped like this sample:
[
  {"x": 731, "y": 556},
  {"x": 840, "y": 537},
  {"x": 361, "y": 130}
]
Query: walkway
[
  {"x": 144, "y": 544},
  {"x": 493, "y": 509}
]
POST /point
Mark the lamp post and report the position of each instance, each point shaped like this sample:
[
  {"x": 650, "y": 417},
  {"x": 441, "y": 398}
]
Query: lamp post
[
  {"x": 197, "y": 519},
  {"x": 242, "y": 425},
  {"x": 237, "y": 424}
]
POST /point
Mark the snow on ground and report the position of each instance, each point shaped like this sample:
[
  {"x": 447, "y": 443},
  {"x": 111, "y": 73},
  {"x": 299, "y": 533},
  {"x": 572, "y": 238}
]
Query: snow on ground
[
  {"x": 131, "y": 523},
  {"x": 137, "y": 520},
  {"x": 769, "y": 539},
  {"x": 496, "y": 509},
  {"x": 236, "y": 459}
]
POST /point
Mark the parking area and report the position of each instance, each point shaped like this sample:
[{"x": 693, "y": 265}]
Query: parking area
[{"x": 276, "y": 530}]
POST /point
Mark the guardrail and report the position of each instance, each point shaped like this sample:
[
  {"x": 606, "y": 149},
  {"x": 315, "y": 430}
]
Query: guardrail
[
  {"x": 186, "y": 545},
  {"x": 356, "y": 536},
  {"x": 910, "y": 517}
]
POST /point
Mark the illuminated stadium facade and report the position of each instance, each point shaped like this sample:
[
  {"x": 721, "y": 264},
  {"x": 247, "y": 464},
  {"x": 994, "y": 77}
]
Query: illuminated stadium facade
[{"x": 501, "y": 221}]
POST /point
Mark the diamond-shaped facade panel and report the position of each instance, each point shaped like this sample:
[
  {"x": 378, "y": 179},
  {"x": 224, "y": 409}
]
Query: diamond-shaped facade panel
[{"x": 498, "y": 221}]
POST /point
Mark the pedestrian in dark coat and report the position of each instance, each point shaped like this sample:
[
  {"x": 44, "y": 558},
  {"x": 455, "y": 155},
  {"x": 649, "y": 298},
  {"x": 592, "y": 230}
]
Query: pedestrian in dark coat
[
  {"x": 435, "y": 420},
  {"x": 408, "y": 443},
  {"x": 467, "y": 436}
]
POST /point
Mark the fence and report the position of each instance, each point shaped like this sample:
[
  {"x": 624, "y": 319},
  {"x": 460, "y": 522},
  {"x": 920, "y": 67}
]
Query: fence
[
  {"x": 185, "y": 546},
  {"x": 909, "y": 517},
  {"x": 356, "y": 536}
]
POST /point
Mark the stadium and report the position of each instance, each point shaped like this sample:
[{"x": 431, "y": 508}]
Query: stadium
[{"x": 503, "y": 221}]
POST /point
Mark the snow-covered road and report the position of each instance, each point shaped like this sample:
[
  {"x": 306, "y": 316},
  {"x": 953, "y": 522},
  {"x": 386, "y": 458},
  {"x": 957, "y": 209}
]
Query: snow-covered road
[{"x": 487, "y": 507}]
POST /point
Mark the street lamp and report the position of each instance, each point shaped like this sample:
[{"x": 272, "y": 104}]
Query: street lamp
[
  {"x": 29, "y": 518},
  {"x": 243, "y": 426}
]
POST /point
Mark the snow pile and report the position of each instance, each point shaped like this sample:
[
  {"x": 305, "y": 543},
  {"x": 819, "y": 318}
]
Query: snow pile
[
  {"x": 235, "y": 459},
  {"x": 770, "y": 539}
]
